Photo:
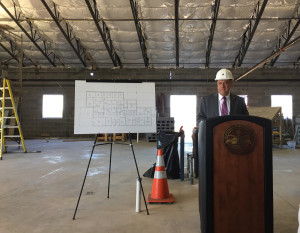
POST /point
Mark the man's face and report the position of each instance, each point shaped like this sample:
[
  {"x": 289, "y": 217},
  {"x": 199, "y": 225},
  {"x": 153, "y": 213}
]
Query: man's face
[{"x": 224, "y": 87}]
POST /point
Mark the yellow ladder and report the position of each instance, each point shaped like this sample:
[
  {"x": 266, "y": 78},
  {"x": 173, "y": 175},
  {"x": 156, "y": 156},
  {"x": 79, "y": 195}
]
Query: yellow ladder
[{"x": 8, "y": 111}]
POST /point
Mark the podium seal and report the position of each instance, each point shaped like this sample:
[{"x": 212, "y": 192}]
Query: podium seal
[{"x": 239, "y": 139}]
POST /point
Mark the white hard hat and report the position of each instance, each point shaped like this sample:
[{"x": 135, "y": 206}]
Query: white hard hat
[{"x": 224, "y": 74}]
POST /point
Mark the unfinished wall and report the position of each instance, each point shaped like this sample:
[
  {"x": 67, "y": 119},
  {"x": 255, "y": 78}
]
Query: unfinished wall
[
  {"x": 259, "y": 86},
  {"x": 33, "y": 125},
  {"x": 259, "y": 94}
]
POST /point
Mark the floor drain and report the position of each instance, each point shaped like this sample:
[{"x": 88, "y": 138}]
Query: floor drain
[{"x": 89, "y": 193}]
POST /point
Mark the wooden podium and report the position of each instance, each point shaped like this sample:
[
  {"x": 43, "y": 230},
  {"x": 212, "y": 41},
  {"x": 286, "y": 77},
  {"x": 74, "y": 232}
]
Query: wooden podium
[{"x": 235, "y": 175}]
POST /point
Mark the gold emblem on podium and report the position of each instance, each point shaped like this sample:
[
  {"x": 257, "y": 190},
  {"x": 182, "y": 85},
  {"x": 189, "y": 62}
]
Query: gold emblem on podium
[{"x": 239, "y": 139}]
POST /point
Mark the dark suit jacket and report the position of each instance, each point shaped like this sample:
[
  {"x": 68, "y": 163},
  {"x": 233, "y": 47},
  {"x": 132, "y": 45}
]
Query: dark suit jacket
[{"x": 209, "y": 106}]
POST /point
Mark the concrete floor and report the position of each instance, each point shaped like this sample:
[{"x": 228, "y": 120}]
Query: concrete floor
[{"x": 39, "y": 191}]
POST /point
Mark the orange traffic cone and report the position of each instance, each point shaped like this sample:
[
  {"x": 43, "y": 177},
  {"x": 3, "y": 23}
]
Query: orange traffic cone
[{"x": 160, "y": 190}]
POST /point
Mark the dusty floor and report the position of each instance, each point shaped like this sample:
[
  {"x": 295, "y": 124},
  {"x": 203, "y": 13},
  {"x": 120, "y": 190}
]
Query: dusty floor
[{"x": 39, "y": 191}]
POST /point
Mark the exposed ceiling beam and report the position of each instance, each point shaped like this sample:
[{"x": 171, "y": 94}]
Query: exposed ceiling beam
[
  {"x": 177, "y": 32},
  {"x": 11, "y": 52},
  {"x": 249, "y": 33},
  {"x": 104, "y": 33},
  {"x": 153, "y": 19},
  {"x": 142, "y": 39},
  {"x": 269, "y": 58},
  {"x": 70, "y": 36},
  {"x": 34, "y": 35},
  {"x": 214, "y": 13},
  {"x": 15, "y": 51},
  {"x": 288, "y": 32}
]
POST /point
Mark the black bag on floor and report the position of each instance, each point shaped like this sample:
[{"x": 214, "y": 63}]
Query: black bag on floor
[
  {"x": 168, "y": 142},
  {"x": 150, "y": 172}
]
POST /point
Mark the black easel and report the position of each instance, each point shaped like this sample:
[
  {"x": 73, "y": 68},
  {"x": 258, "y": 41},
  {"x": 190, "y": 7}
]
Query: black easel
[{"x": 111, "y": 143}]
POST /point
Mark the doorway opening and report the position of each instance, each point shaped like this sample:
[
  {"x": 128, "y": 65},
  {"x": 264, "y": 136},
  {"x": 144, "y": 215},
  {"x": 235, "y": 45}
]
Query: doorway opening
[
  {"x": 286, "y": 104},
  {"x": 183, "y": 109}
]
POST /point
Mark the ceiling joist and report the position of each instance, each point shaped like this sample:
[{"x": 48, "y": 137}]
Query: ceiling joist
[
  {"x": 214, "y": 12},
  {"x": 104, "y": 33},
  {"x": 172, "y": 34},
  {"x": 34, "y": 35},
  {"x": 70, "y": 36},
  {"x": 69, "y": 19},
  {"x": 249, "y": 33},
  {"x": 289, "y": 31},
  {"x": 15, "y": 51},
  {"x": 177, "y": 31},
  {"x": 269, "y": 58},
  {"x": 142, "y": 39}
]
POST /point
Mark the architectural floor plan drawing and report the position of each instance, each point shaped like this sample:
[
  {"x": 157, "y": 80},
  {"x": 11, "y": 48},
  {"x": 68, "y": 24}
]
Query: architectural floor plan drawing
[
  {"x": 114, "y": 107},
  {"x": 111, "y": 109}
]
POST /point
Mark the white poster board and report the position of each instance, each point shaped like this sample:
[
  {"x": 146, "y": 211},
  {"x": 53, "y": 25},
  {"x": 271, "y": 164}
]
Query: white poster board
[{"x": 114, "y": 108}]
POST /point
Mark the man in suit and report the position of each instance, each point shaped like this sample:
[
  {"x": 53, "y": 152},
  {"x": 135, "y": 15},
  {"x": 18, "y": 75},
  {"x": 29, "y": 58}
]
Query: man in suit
[
  {"x": 212, "y": 106},
  {"x": 216, "y": 105}
]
